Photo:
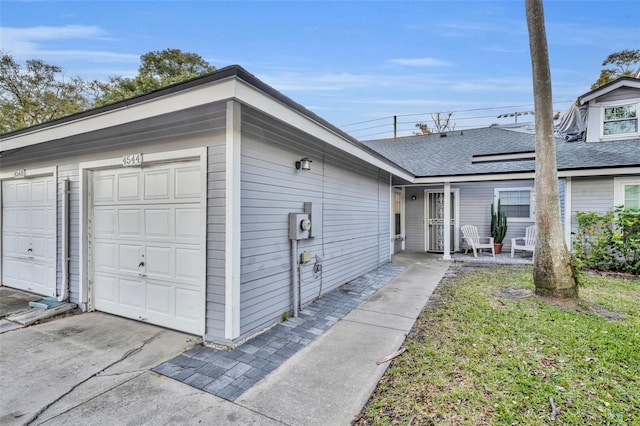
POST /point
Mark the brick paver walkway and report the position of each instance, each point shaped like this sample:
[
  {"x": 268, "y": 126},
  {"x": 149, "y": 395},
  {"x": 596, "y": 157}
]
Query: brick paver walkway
[{"x": 228, "y": 374}]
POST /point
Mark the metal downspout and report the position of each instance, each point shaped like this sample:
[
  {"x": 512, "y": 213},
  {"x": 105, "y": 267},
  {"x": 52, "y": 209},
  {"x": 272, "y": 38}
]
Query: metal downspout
[{"x": 65, "y": 241}]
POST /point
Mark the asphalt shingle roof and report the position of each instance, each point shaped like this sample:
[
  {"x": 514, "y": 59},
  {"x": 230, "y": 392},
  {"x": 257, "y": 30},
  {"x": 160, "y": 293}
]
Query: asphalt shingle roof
[{"x": 432, "y": 155}]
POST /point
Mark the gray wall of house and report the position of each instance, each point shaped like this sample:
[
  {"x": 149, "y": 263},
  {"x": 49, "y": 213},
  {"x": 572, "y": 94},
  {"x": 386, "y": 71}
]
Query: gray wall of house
[
  {"x": 474, "y": 209},
  {"x": 350, "y": 218},
  {"x": 590, "y": 195}
]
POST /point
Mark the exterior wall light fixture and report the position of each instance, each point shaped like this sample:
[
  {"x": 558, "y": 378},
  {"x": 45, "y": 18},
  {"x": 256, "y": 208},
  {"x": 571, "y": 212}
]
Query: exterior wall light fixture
[{"x": 303, "y": 164}]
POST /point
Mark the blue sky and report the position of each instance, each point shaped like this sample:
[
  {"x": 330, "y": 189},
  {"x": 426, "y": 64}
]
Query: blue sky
[{"x": 356, "y": 64}]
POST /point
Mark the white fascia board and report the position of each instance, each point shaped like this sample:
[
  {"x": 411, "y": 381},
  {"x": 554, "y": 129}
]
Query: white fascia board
[
  {"x": 610, "y": 171},
  {"x": 600, "y": 172},
  {"x": 474, "y": 178},
  {"x": 249, "y": 95},
  {"x": 597, "y": 93},
  {"x": 172, "y": 102}
]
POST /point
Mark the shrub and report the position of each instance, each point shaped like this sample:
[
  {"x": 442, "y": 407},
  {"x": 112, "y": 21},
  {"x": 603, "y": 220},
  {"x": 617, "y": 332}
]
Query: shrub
[{"x": 608, "y": 241}]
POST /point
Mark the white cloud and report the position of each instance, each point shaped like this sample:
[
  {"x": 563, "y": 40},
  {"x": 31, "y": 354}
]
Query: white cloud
[
  {"x": 33, "y": 42},
  {"x": 420, "y": 62}
]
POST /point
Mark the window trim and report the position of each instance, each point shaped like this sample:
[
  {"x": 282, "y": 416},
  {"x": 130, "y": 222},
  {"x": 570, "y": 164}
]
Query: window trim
[
  {"x": 619, "y": 135},
  {"x": 532, "y": 204},
  {"x": 619, "y": 184}
]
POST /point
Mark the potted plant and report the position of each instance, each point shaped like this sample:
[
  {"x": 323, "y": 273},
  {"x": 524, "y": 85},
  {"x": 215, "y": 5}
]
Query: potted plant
[{"x": 498, "y": 227}]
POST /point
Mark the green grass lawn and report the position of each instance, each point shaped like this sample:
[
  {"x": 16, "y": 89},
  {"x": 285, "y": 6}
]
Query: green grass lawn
[{"x": 479, "y": 357}]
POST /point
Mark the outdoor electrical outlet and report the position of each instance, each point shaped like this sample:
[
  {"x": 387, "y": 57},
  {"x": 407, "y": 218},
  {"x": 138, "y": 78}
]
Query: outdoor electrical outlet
[{"x": 305, "y": 257}]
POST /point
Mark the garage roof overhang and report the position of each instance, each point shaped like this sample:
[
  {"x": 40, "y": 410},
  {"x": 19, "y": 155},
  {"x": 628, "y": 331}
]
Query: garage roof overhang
[{"x": 231, "y": 82}]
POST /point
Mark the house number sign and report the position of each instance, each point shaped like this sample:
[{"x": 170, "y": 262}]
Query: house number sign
[
  {"x": 132, "y": 160},
  {"x": 20, "y": 174}
]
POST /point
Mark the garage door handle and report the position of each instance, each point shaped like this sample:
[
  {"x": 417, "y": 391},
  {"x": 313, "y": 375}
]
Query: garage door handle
[
  {"x": 29, "y": 250},
  {"x": 141, "y": 264}
]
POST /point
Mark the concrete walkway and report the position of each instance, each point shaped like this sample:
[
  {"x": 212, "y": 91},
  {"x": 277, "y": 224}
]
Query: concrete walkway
[{"x": 96, "y": 368}]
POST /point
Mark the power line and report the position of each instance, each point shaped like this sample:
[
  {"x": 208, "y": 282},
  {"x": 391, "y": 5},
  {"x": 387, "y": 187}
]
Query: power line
[{"x": 455, "y": 111}]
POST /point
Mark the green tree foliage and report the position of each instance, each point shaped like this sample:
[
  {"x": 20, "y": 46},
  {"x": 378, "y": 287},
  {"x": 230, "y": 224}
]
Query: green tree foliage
[
  {"x": 157, "y": 69},
  {"x": 36, "y": 93},
  {"x": 623, "y": 63},
  {"x": 609, "y": 241}
]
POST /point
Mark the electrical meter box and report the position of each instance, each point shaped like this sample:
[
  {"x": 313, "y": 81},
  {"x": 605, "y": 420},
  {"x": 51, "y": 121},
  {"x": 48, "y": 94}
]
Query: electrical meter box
[{"x": 299, "y": 226}]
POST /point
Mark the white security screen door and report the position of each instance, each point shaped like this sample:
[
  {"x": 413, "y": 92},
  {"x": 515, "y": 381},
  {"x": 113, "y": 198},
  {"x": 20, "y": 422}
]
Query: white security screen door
[
  {"x": 29, "y": 235},
  {"x": 147, "y": 244},
  {"x": 435, "y": 221}
]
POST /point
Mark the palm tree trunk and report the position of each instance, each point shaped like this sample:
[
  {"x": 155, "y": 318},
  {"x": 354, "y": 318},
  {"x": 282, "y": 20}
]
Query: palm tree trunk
[{"x": 553, "y": 274}]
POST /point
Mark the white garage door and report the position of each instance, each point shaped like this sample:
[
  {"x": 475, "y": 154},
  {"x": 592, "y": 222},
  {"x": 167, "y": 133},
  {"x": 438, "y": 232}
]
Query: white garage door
[
  {"x": 147, "y": 261},
  {"x": 29, "y": 235}
]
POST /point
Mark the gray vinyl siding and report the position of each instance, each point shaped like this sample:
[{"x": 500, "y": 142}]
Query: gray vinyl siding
[
  {"x": 216, "y": 205},
  {"x": 349, "y": 220},
  {"x": 414, "y": 220},
  {"x": 384, "y": 217},
  {"x": 621, "y": 94},
  {"x": 475, "y": 208},
  {"x": 590, "y": 195}
]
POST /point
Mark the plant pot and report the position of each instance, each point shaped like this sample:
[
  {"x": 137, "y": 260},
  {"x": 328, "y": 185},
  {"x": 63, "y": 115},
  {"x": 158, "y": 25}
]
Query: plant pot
[{"x": 497, "y": 248}]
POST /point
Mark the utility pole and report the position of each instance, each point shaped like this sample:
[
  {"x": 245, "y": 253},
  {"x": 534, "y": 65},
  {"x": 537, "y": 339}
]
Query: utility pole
[{"x": 395, "y": 126}]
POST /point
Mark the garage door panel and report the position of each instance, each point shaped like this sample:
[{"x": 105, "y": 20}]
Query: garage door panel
[
  {"x": 159, "y": 263},
  {"x": 105, "y": 256},
  {"x": 187, "y": 223},
  {"x": 128, "y": 187},
  {"x": 29, "y": 234},
  {"x": 187, "y": 264},
  {"x": 106, "y": 290},
  {"x": 155, "y": 217},
  {"x": 23, "y": 220},
  {"x": 160, "y": 298},
  {"x": 9, "y": 220},
  {"x": 39, "y": 221},
  {"x": 129, "y": 257},
  {"x": 157, "y": 184},
  {"x": 187, "y": 303},
  {"x": 103, "y": 188},
  {"x": 158, "y": 222},
  {"x": 22, "y": 193},
  {"x": 130, "y": 222},
  {"x": 9, "y": 194},
  {"x": 38, "y": 193},
  {"x": 104, "y": 222},
  {"x": 131, "y": 293}
]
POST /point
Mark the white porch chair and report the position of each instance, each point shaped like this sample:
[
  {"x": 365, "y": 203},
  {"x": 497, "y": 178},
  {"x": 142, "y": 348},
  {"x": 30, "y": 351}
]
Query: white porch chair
[
  {"x": 470, "y": 234},
  {"x": 528, "y": 241}
]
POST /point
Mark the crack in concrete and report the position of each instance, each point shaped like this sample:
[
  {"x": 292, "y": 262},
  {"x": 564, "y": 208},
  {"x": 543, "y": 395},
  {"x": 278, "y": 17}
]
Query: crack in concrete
[{"x": 74, "y": 387}]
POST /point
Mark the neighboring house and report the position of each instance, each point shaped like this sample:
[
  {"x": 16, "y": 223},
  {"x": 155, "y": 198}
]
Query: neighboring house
[
  {"x": 597, "y": 170},
  {"x": 173, "y": 207}
]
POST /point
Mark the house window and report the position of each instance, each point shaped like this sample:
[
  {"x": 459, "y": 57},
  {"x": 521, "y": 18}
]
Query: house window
[
  {"x": 626, "y": 192},
  {"x": 516, "y": 203},
  {"x": 620, "y": 120},
  {"x": 397, "y": 209}
]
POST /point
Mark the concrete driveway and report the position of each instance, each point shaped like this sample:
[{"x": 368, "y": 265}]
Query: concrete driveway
[{"x": 89, "y": 368}]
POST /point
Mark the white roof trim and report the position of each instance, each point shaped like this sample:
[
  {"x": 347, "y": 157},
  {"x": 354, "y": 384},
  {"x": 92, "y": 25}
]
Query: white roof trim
[
  {"x": 230, "y": 88},
  {"x": 249, "y": 95},
  {"x": 604, "y": 90},
  {"x": 610, "y": 171}
]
